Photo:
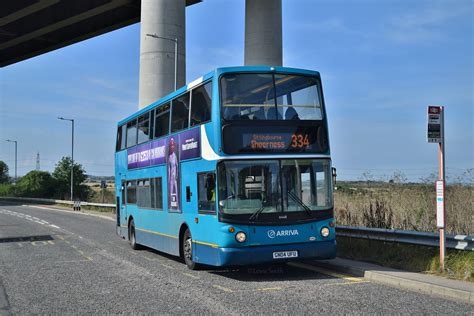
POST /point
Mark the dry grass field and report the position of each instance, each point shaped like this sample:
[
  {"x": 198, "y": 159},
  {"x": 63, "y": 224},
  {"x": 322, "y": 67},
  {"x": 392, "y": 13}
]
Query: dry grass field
[
  {"x": 383, "y": 205},
  {"x": 403, "y": 206},
  {"x": 407, "y": 207}
]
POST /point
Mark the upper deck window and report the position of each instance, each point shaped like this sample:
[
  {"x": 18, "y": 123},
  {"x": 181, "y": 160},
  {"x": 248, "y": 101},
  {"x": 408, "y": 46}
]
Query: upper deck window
[
  {"x": 144, "y": 128},
  {"x": 180, "y": 113},
  {"x": 131, "y": 133},
  {"x": 121, "y": 139},
  {"x": 201, "y": 104},
  {"x": 297, "y": 98},
  {"x": 270, "y": 97},
  {"x": 162, "y": 120}
]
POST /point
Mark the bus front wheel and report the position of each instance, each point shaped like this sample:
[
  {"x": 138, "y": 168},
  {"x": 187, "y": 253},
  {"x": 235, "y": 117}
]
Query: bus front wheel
[{"x": 188, "y": 250}]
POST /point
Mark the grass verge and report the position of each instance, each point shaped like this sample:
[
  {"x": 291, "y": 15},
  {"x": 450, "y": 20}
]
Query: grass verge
[{"x": 459, "y": 264}]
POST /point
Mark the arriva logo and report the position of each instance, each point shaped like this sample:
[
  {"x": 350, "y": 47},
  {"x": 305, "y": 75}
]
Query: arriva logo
[{"x": 281, "y": 233}]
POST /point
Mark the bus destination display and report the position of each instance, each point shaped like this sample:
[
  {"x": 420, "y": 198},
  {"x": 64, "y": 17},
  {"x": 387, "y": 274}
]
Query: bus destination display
[
  {"x": 307, "y": 139},
  {"x": 277, "y": 141}
]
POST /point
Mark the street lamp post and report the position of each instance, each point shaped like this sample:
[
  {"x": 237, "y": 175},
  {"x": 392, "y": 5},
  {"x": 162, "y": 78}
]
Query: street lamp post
[
  {"x": 16, "y": 155},
  {"x": 175, "y": 40},
  {"x": 72, "y": 156}
]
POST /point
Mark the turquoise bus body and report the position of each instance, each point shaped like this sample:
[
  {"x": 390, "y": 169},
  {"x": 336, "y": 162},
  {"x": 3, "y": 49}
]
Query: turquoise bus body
[{"x": 213, "y": 241}]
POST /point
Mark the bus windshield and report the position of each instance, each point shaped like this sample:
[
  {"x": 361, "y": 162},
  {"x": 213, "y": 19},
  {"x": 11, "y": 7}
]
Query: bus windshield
[
  {"x": 267, "y": 186},
  {"x": 251, "y": 96}
]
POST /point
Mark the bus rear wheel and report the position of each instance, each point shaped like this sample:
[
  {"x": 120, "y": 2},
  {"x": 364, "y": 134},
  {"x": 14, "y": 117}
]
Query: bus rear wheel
[
  {"x": 132, "y": 237},
  {"x": 188, "y": 250}
]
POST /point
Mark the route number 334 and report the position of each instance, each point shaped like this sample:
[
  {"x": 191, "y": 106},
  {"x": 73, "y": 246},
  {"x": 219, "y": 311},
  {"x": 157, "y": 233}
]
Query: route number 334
[{"x": 299, "y": 140}]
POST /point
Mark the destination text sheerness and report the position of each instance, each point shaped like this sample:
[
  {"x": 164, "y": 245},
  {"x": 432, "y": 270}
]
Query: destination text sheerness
[{"x": 267, "y": 142}]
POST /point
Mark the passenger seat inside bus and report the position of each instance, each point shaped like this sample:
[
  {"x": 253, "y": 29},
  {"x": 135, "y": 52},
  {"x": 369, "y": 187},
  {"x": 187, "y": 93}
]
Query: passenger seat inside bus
[
  {"x": 273, "y": 114},
  {"x": 231, "y": 113},
  {"x": 291, "y": 114}
]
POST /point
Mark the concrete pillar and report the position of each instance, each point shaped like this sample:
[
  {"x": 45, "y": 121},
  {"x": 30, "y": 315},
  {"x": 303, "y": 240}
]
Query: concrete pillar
[
  {"x": 263, "y": 33},
  {"x": 165, "y": 18}
]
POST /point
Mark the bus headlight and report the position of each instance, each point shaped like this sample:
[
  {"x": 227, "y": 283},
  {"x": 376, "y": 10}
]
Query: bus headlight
[
  {"x": 240, "y": 237},
  {"x": 324, "y": 232}
]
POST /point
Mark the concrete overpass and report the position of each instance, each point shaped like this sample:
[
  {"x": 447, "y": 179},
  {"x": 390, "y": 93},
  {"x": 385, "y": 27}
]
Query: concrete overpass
[
  {"x": 29, "y": 28},
  {"x": 33, "y": 27}
]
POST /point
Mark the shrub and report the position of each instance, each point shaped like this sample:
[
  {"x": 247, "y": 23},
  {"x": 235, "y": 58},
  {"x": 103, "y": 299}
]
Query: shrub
[
  {"x": 6, "y": 189},
  {"x": 377, "y": 215},
  {"x": 36, "y": 184}
]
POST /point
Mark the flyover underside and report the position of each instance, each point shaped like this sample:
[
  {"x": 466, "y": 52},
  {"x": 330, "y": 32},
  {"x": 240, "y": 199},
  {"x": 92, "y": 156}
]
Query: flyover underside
[{"x": 32, "y": 27}]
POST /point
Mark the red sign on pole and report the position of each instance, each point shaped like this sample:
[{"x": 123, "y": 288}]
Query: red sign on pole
[{"x": 434, "y": 109}]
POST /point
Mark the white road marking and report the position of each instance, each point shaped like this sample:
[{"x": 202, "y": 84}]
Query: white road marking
[
  {"x": 71, "y": 212},
  {"x": 225, "y": 289},
  {"x": 192, "y": 276},
  {"x": 38, "y": 220}
]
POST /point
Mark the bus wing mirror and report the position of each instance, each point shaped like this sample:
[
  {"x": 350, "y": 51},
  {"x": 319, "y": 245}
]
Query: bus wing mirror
[{"x": 334, "y": 176}]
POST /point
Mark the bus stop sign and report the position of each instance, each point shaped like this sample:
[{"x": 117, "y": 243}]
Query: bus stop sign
[{"x": 435, "y": 121}]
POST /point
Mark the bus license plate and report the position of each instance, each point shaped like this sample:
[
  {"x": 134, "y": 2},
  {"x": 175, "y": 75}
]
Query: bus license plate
[{"x": 285, "y": 254}]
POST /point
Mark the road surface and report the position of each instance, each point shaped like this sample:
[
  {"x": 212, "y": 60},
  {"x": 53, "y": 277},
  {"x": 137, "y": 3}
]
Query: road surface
[{"x": 62, "y": 262}]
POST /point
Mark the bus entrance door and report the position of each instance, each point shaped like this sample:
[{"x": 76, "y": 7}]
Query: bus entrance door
[
  {"x": 117, "y": 210},
  {"x": 123, "y": 205}
]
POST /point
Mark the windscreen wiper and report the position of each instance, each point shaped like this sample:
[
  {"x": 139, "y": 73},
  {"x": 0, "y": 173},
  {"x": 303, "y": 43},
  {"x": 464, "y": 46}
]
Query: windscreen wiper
[
  {"x": 299, "y": 202},
  {"x": 256, "y": 213},
  {"x": 230, "y": 197}
]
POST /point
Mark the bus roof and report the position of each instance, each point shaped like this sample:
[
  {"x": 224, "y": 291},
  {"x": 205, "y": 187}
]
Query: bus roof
[{"x": 218, "y": 72}]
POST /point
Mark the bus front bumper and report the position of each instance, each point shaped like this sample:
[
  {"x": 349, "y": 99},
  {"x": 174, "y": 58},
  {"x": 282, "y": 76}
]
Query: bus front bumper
[{"x": 265, "y": 254}]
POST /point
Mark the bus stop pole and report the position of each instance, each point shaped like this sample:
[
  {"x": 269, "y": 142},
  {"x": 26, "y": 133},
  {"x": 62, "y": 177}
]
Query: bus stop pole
[{"x": 441, "y": 159}]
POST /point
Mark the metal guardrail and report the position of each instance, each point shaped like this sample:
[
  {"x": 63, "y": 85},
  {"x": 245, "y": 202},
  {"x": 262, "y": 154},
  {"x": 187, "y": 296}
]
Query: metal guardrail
[
  {"x": 460, "y": 242},
  {"x": 51, "y": 201}
]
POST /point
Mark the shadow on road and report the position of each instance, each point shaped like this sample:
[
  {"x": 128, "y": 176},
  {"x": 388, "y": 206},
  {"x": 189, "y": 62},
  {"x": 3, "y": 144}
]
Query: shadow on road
[
  {"x": 269, "y": 273},
  {"x": 255, "y": 273}
]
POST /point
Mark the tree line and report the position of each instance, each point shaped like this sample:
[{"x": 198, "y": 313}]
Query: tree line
[{"x": 42, "y": 184}]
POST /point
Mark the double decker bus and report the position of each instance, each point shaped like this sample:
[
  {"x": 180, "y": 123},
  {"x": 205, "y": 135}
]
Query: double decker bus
[{"x": 232, "y": 169}]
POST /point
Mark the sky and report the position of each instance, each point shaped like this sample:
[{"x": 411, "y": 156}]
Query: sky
[{"x": 382, "y": 63}]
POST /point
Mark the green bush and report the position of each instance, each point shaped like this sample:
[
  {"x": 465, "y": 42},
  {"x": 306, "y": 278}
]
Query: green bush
[
  {"x": 6, "y": 189},
  {"x": 36, "y": 184}
]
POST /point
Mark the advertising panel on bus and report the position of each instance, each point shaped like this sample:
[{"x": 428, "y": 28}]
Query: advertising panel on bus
[
  {"x": 172, "y": 168},
  {"x": 188, "y": 143},
  {"x": 170, "y": 151}
]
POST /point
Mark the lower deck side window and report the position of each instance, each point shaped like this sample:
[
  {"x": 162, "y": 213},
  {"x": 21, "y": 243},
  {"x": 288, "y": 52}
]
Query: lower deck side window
[
  {"x": 131, "y": 192},
  {"x": 145, "y": 193},
  {"x": 207, "y": 192},
  {"x": 156, "y": 194}
]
